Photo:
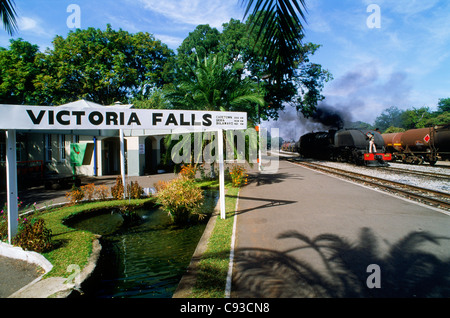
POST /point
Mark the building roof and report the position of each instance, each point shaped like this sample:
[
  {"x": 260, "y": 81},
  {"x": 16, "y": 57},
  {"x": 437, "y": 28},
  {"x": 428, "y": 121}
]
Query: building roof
[{"x": 82, "y": 103}]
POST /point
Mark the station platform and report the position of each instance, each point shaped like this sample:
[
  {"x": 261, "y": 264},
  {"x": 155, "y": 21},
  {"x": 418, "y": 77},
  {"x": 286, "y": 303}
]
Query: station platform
[{"x": 302, "y": 233}]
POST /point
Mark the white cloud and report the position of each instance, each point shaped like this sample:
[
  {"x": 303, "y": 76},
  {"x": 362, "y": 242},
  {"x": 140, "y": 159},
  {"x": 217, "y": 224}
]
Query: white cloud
[
  {"x": 195, "y": 12},
  {"x": 412, "y": 7},
  {"x": 171, "y": 41},
  {"x": 26, "y": 23},
  {"x": 32, "y": 25}
]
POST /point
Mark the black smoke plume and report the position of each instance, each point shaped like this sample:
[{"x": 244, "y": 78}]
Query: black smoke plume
[
  {"x": 329, "y": 117},
  {"x": 293, "y": 124}
]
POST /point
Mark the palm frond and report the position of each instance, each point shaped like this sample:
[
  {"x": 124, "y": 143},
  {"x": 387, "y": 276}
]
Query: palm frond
[
  {"x": 280, "y": 30},
  {"x": 8, "y": 16}
]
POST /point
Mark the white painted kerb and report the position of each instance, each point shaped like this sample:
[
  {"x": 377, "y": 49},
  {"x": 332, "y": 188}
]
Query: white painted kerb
[{"x": 16, "y": 252}]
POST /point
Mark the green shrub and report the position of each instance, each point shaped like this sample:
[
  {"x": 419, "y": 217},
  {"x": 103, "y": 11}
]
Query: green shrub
[
  {"x": 33, "y": 235},
  {"x": 3, "y": 225},
  {"x": 180, "y": 198},
  {"x": 102, "y": 192},
  {"x": 89, "y": 191},
  {"x": 117, "y": 189},
  {"x": 75, "y": 195},
  {"x": 134, "y": 190}
]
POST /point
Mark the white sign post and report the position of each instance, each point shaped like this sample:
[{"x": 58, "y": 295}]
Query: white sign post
[
  {"x": 122, "y": 162},
  {"x": 221, "y": 174},
  {"x": 91, "y": 120},
  {"x": 11, "y": 186}
]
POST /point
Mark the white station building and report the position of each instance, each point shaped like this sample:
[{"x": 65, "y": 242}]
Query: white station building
[{"x": 49, "y": 151}]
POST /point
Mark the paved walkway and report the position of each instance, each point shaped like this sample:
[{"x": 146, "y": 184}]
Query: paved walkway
[
  {"x": 301, "y": 233},
  {"x": 15, "y": 274}
]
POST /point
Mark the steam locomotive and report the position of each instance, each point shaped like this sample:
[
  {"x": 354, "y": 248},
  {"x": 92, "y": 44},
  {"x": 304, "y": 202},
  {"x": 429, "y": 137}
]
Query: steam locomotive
[
  {"x": 344, "y": 145},
  {"x": 416, "y": 146}
]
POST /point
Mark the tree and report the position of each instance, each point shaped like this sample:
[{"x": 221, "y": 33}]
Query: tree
[
  {"x": 444, "y": 105},
  {"x": 393, "y": 129},
  {"x": 389, "y": 117},
  {"x": 105, "y": 66},
  {"x": 311, "y": 81},
  {"x": 8, "y": 16},
  {"x": 392, "y": 119},
  {"x": 299, "y": 84},
  {"x": 440, "y": 119},
  {"x": 203, "y": 41},
  {"x": 279, "y": 34},
  {"x": 19, "y": 68},
  {"x": 415, "y": 118},
  {"x": 156, "y": 100},
  {"x": 214, "y": 85}
]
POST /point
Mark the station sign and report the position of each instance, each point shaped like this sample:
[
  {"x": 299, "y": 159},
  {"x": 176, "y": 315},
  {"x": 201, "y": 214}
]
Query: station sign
[{"x": 111, "y": 117}]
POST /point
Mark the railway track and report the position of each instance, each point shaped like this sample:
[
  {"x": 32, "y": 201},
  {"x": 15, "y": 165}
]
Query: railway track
[
  {"x": 437, "y": 166},
  {"x": 427, "y": 196},
  {"x": 419, "y": 173}
]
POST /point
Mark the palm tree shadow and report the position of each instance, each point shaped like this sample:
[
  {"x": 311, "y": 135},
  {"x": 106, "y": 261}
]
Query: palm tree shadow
[{"x": 405, "y": 270}]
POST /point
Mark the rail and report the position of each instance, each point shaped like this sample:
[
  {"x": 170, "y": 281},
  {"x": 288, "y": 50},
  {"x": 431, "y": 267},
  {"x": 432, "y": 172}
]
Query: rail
[
  {"x": 431, "y": 197},
  {"x": 420, "y": 173}
]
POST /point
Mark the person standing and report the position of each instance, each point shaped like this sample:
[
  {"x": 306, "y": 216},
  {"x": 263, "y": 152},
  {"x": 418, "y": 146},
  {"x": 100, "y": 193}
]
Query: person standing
[{"x": 371, "y": 138}]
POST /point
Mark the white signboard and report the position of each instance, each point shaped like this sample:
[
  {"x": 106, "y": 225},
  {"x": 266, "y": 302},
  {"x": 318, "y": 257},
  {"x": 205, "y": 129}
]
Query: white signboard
[{"x": 110, "y": 117}]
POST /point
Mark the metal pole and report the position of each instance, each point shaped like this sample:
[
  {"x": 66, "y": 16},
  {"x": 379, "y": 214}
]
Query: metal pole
[
  {"x": 122, "y": 162},
  {"x": 11, "y": 180},
  {"x": 221, "y": 174}
]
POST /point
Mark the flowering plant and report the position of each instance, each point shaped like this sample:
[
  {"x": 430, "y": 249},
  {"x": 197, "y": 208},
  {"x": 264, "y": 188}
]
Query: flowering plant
[
  {"x": 32, "y": 234},
  {"x": 239, "y": 177},
  {"x": 188, "y": 171},
  {"x": 180, "y": 198},
  {"x": 75, "y": 195}
]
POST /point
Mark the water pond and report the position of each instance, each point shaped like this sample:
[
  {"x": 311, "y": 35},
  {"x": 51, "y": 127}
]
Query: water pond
[{"x": 144, "y": 260}]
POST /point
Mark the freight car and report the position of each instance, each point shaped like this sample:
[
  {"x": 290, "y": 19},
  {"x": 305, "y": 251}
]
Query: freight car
[
  {"x": 345, "y": 145},
  {"x": 416, "y": 146}
]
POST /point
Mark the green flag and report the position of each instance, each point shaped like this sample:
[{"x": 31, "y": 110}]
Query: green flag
[{"x": 77, "y": 153}]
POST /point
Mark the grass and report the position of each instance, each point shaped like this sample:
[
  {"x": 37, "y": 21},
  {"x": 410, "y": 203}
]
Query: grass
[{"x": 213, "y": 267}]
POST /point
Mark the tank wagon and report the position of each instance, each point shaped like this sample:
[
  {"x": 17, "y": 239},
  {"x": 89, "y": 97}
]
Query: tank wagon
[
  {"x": 416, "y": 146},
  {"x": 345, "y": 145}
]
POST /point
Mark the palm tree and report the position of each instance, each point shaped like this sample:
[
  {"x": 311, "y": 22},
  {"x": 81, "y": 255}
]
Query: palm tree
[
  {"x": 281, "y": 32},
  {"x": 8, "y": 16},
  {"x": 215, "y": 85}
]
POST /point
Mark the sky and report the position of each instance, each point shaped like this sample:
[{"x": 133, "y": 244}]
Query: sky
[{"x": 381, "y": 53}]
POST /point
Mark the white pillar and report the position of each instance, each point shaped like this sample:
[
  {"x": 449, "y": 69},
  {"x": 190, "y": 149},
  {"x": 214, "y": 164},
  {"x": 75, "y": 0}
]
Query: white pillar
[
  {"x": 259, "y": 146},
  {"x": 221, "y": 174},
  {"x": 11, "y": 181},
  {"x": 122, "y": 162}
]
